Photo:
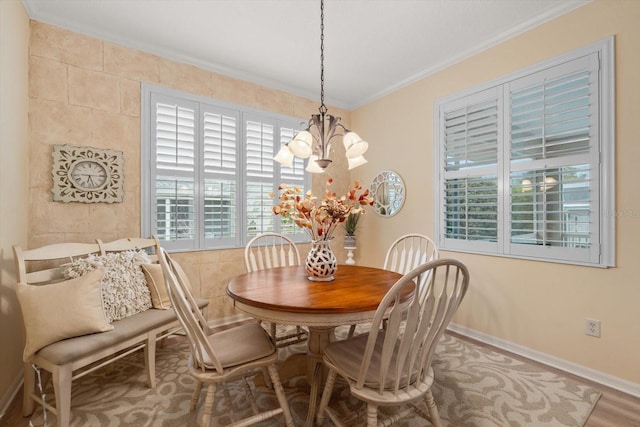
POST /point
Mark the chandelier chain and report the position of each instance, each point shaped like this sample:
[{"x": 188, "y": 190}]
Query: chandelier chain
[{"x": 322, "y": 106}]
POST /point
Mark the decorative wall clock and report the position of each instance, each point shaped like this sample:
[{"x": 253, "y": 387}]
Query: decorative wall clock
[{"x": 87, "y": 175}]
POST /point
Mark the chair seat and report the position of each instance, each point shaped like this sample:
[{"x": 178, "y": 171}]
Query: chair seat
[
  {"x": 346, "y": 357},
  {"x": 240, "y": 345}
]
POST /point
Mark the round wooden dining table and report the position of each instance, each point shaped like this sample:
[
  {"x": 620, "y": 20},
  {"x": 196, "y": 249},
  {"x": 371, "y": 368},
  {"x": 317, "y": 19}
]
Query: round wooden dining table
[{"x": 284, "y": 295}]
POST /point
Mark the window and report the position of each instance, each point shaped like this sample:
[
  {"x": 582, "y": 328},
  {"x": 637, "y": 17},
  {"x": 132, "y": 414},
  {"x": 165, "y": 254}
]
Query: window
[
  {"x": 525, "y": 163},
  {"x": 207, "y": 170}
]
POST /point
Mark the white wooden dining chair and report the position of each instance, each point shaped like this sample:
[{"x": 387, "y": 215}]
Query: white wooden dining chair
[
  {"x": 406, "y": 253},
  {"x": 269, "y": 250},
  {"x": 410, "y": 251},
  {"x": 392, "y": 366},
  {"x": 220, "y": 357}
]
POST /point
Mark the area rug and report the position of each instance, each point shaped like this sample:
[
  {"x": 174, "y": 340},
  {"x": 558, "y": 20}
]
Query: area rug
[{"x": 474, "y": 387}]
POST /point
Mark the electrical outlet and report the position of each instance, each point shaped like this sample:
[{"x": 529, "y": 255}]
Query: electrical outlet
[{"x": 592, "y": 327}]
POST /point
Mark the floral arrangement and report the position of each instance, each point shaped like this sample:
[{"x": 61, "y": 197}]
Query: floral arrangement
[{"x": 320, "y": 217}]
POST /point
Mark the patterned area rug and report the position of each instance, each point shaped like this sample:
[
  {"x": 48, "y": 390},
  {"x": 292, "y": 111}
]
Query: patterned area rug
[{"x": 474, "y": 387}]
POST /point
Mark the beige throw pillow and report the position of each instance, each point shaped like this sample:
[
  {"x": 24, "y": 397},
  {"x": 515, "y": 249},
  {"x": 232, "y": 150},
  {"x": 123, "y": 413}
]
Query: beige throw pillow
[
  {"x": 157, "y": 288},
  {"x": 61, "y": 310}
]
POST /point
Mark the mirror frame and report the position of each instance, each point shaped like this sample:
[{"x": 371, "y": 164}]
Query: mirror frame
[{"x": 387, "y": 178}]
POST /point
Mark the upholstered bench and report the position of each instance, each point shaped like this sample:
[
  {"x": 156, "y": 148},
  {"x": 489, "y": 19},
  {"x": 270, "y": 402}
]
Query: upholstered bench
[{"x": 75, "y": 356}]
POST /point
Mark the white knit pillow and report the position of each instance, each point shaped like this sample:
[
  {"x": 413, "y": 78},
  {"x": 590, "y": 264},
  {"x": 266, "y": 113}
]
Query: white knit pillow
[{"x": 124, "y": 288}]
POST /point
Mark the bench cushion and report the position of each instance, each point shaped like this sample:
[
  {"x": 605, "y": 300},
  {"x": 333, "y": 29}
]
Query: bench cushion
[{"x": 73, "y": 349}]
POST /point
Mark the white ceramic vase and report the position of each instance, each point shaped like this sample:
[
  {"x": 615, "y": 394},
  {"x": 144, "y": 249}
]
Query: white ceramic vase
[{"x": 321, "y": 263}]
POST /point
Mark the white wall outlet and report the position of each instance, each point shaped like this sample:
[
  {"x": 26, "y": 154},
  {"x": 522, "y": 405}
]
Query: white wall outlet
[{"x": 592, "y": 327}]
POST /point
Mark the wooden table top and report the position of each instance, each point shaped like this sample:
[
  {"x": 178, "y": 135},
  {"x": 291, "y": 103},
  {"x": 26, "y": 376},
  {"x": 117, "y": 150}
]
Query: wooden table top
[{"x": 287, "y": 289}]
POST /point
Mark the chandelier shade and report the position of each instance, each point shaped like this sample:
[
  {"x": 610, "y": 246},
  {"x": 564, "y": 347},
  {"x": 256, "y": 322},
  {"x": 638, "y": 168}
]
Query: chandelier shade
[
  {"x": 285, "y": 156},
  {"x": 356, "y": 161},
  {"x": 354, "y": 145},
  {"x": 314, "y": 143},
  {"x": 302, "y": 144}
]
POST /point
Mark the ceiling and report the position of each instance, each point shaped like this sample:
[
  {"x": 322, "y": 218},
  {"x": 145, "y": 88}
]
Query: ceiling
[{"x": 372, "y": 47}]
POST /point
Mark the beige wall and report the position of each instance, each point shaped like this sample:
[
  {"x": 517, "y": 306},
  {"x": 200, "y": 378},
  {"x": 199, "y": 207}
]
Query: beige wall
[
  {"x": 86, "y": 91},
  {"x": 14, "y": 179},
  {"x": 541, "y": 306}
]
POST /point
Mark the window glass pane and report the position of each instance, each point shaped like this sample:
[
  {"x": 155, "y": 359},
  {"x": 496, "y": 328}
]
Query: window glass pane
[
  {"x": 471, "y": 208},
  {"x": 175, "y": 213},
  {"x": 260, "y": 217},
  {"x": 220, "y": 210},
  {"x": 551, "y": 207}
]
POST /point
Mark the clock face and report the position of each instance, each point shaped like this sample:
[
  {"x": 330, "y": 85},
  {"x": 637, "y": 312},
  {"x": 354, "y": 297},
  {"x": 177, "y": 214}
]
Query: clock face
[{"x": 88, "y": 175}]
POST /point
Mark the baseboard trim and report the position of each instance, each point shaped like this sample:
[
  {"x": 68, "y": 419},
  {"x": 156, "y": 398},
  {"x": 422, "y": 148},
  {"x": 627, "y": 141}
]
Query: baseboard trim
[
  {"x": 547, "y": 359},
  {"x": 11, "y": 393}
]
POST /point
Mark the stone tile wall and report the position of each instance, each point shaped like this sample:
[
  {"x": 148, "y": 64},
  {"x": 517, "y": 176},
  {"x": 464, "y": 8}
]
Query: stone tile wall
[{"x": 86, "y": 92}]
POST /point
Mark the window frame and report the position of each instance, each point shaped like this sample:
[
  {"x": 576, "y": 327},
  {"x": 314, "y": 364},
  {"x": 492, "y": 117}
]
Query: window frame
[
  {"x": 243, "y": 114},
  {"x": 600, "y": 156}
]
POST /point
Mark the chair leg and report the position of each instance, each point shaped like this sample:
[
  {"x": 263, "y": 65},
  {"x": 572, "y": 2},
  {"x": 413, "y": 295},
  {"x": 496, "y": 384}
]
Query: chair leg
[
  {"x": 282, "y": 398},
  {"x": 433, "y": 409},
  {"x": 150, "y": 360},
  {"x": 195, "y": 397},
  {"x": 62, "y": 389},
  {"x": 267, "y": 379},
  {"x": 208, "y": 405},
  {"x": 372, "y": 415},
  {"x": 326, "y": 395},
  {"x": 29, "y": 388}
]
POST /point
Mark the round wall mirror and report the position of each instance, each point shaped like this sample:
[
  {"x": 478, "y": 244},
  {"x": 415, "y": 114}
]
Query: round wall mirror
[{"x": 387, "y": 190}]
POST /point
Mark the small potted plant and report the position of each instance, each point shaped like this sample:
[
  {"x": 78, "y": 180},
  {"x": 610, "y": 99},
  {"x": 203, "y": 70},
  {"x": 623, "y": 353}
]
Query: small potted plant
[{"x": 350, "y": 227}]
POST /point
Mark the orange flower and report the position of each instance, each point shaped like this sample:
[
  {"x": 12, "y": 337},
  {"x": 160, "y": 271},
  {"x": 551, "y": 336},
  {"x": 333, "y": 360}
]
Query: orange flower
[{"x": 320, "y": 217}]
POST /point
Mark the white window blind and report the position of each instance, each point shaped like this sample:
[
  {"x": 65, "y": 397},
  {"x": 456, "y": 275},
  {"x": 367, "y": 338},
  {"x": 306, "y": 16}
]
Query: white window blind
[
  {"x": 175, "y": 209},
  {"x": 208, "y": 169},
  {"x": 221, "y": 157},
  {"x": 525, "y": 163},
  {"x": 471, "y": 130},
  {"x": 260, "y": 176}
]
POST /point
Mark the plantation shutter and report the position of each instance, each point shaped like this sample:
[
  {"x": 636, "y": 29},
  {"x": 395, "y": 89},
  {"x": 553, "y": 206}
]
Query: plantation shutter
[
  {"x": 260, "y": 170},
  {"x": 221, "y": 177},
  {"x": 554, "y": 162},
  {"x": 293, "y": 176},
  {"x": 174, "y": 154},
  {"x": 208, "y": 170},
  {"x": 469, "y": 158},
  {"x": 526, "y": 162}
]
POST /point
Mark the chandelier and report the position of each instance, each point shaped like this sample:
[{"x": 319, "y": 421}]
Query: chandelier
[{"x": 314, "y": 143}]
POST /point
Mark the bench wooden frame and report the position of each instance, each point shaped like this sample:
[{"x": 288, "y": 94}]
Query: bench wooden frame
[{"x": 69, "y": 359}]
